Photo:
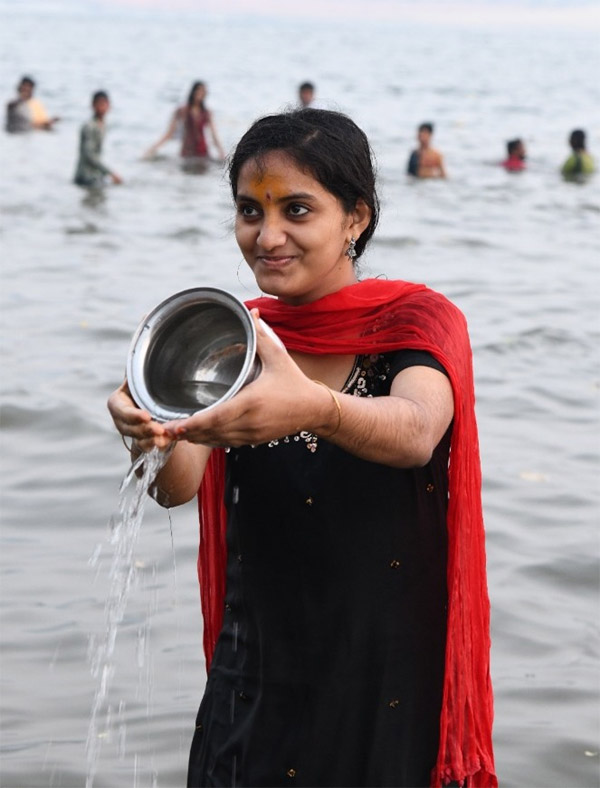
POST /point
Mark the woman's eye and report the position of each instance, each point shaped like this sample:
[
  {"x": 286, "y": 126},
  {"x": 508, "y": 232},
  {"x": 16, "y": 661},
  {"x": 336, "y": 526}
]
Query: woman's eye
[
  {"x": 248, "y": 211},
  {"x": 297, "y": 210}
]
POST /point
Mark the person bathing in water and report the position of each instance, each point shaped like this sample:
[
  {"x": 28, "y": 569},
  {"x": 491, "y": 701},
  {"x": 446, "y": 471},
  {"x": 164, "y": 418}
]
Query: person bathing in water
[
  {"x": 342, "y": 560},
  {"x": 425, "y": 161},
  {"x": 193, "y": 118},
  {"x": 26, "y": 113},
  {"x": 580, "y": 163},
  {"x": 91, "y": 170},
  {"x": 516, "y": 155}
]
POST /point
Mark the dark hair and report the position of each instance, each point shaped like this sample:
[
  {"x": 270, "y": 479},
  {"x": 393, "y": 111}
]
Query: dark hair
[
  {"x": 327, "y": 144},
  {"x": 512, "y": 145},
  {"x": 98, "y": 95},
  {"x": 27, "y": 81},
  {"x": 306, "y": 86},
  {"x": 193, "y": 89},
  {"x": 426, "y": 127},
  {"x": 577, "y": 140}
]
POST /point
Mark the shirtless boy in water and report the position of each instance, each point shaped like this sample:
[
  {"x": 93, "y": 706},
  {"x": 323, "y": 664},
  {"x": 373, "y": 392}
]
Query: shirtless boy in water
[{"x": 426, "y": 162}]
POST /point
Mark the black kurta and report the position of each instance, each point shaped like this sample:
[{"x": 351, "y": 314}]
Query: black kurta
[{"x": 329, "y": 667}]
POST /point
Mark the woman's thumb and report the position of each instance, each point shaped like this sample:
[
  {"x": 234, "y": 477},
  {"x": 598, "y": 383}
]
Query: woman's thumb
[{"x": 268, "y": 343}]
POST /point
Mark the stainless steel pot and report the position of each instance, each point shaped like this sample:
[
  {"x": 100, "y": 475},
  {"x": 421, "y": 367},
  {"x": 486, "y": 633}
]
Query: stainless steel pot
[{"x": 193, "y": 351}]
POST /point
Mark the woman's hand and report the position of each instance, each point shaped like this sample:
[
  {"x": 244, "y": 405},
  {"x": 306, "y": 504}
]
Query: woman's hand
[
  {"x": 134, "y": 422},
  {"x": 281, "y": 401}
]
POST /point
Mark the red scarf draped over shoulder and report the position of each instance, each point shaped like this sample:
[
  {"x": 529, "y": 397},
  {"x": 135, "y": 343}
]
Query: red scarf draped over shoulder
[{"x": 376, "y": 316}]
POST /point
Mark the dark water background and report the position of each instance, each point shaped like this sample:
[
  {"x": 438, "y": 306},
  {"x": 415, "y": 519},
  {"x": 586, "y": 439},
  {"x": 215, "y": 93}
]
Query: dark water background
[{"x": 519, "y": 254}]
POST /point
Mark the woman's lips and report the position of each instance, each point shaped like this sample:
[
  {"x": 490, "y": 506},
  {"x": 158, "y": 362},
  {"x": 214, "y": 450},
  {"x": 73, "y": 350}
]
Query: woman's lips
[{"x": 275, "y": 261}]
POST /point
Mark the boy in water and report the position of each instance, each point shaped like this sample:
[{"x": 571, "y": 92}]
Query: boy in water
[
  {"x": 579, "y": 163},
  {"x": 90, "y": 169},
  {"x": 306, "y": 94},
  {"x": 306, "y": 97},
  {"x": 426, "y": 162},
  {"x": 26, "y": 112},
  {"x": 516, "y": 156}
]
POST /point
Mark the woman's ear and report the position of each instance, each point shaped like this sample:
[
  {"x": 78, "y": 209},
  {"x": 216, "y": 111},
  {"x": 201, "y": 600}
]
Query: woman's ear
[{"x": 359, "y": 218}]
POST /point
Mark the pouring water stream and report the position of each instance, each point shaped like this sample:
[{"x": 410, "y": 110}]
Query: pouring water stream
[{"x": 125, "y": 527}]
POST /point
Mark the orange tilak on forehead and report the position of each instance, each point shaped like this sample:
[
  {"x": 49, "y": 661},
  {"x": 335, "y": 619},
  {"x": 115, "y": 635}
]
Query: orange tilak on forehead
[{"x": 268, "y": 187}]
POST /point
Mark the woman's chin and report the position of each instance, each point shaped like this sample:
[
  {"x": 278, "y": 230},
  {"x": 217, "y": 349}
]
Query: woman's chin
[{"x": 276, "y": 286}]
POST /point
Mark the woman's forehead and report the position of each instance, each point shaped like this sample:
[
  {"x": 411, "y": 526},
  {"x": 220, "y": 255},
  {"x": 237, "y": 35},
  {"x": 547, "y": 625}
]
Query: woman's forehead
[{"x": 274, "y": 175}]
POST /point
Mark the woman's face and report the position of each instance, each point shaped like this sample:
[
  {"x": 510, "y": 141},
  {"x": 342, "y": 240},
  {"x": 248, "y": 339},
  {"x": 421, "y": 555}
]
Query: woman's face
[
  {"x": 292, "y": 232},
  {"x": 199, "y": 94}
]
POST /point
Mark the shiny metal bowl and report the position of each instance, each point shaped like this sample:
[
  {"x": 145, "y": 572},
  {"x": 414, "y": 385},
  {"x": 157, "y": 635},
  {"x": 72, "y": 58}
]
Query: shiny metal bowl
[{"x": 193, "y": 351}]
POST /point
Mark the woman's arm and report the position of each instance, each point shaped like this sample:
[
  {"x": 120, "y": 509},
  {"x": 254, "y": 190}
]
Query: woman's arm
[
  {"x": 169, "y": 133},
  {"x": 401, "y": 430},
  {"x": 215, "y": 136},
  {"x": 178, "y": 481},
  {"x": 180, "y": 478}
]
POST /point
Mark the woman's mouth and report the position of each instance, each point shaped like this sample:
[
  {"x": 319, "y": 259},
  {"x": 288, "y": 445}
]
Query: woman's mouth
[{"x": 275, "y": 261}]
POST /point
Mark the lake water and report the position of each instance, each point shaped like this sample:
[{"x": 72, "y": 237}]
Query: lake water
[{"x": 519, "y": 254}]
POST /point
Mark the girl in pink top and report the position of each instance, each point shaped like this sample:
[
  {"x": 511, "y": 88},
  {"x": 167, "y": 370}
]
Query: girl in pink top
[{"x": 193, "y": 117}]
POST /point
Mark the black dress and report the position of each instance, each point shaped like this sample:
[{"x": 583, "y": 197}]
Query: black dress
[{"x": 329, "y": 668}]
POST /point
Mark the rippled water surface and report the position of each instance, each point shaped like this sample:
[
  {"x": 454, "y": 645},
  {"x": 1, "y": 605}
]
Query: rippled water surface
[{"x": 519, "y": 254}]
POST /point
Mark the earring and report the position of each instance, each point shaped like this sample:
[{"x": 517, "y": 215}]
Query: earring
[
  {"x": 351, "y": 250},
  {"x": 237, "y": 273}
]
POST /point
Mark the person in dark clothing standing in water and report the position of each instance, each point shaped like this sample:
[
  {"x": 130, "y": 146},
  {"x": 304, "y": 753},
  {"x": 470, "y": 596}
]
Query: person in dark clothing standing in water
[
  {"x": 342, "y": 560},
  {"x": 91, "y": 171}
]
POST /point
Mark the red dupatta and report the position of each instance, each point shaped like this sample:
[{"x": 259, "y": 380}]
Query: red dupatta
[{"x": 376, "y": 316}]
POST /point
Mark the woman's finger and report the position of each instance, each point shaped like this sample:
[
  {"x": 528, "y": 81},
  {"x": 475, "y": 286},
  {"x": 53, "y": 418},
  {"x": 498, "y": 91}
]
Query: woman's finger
[
  {"x": 207, "y": 427},
  {"x": 129, "y": 419},
  {"x": 268, "y": 345},
  {"x": 159, "y": 442}
]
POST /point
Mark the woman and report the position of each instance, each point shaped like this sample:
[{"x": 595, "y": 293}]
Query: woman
[
  {"x": 193, "y": 118},
  {"x": 342, "y": 564}
]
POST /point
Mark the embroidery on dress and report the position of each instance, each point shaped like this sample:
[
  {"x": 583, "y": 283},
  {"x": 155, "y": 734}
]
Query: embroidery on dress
[{"x": 308, "y": 437}]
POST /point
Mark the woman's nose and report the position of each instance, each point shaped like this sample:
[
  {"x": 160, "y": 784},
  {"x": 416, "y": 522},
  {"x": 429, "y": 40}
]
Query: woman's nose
[{"x": 272, "y": 233}]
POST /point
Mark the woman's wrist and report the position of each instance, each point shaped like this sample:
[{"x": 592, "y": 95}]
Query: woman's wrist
[{"x": 331, "y": 419}]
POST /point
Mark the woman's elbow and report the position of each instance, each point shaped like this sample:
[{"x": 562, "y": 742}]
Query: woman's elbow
[
  {"x": 418, "y": 446},
  {"x": 424, "y": 437},
  {"x": 409, "y": 454},
  {"x": 416, "y": 455},
  {"x": 421, "y": 456},
  {"x": 170, "y": 499}
]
